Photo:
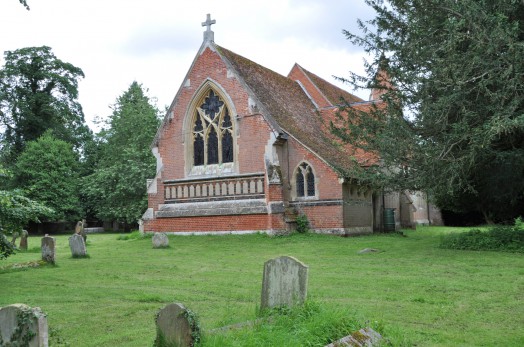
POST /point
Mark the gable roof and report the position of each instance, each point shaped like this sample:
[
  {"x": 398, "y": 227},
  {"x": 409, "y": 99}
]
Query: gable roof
[
  {"x": 285, "y": 103},
  {"x": 330, "y": 92}
]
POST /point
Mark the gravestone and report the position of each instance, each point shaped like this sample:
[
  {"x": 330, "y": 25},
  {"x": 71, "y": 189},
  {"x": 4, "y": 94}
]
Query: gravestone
[
  {"x": 21, "y": 325},
  {"x": 23, "y": 240},
  {"x": 366, "y": 337},
  {"x": 77, "y": 245},
  {"x": 16, "y": 234},
  {"x": 80, "y": 229},
  {"x": 48, "y": 249},
  {"x": 176, "y": 326},
  {"x": 284, "y": 282},
  {"x": 160, "y": 240}
]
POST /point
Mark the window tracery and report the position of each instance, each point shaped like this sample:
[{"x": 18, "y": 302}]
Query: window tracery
[
  {"x": 305, "y": 181},
  {"x": 212, "y": 132}
]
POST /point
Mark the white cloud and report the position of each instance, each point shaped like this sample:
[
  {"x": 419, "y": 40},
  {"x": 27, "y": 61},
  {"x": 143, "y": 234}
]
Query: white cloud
[{"x": 154, "y": 41}]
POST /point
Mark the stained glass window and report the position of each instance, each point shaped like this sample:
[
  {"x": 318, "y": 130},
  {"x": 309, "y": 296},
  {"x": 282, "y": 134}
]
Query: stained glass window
[
  {"x": 212, "y": 132},
  {"x": 212, "y": 147},
  {"x": 198, "y": 146}
]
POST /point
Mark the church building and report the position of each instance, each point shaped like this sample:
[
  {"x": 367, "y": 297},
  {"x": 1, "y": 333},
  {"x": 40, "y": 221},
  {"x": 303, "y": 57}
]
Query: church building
[{"x": 244, "y": 149}]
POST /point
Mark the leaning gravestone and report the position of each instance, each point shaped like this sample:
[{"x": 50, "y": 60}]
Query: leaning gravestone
[
  {"x": 21, "y": 325},
  {"x": 23, "y": 240},
  {"x": 78, "y": 246},
  {"x": 176, "y": 326},
  {"x": 48, "y": 249},
  {"x": 160, "y": 240},
  {"x": 80, "y": 229},
  {"x": 366, "y": 337},
  {"x": 284, "y": 282}
]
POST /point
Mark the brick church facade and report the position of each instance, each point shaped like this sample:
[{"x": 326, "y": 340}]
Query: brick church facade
[{"x": 244, "y": 149}]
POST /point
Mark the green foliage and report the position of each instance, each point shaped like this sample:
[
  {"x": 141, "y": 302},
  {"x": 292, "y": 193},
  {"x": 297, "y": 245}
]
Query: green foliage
[
  {"x": 450, "y": 74},
  {"x": 117, "y": 187},
  {"x": 38, "y": 92},
  {"x": 311, "y": 324},
  {"x": 16, "y": 211},
  {"x": 135, "y": 235},
  {"x": 302, "y": 223},
  {"x": 47, "y": 172},
  {"x": 6, "y": 247},
  {"x": 497, "y": 238}
]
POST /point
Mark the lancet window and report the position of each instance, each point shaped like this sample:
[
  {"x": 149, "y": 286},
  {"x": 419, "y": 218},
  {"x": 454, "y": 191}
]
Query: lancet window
[
  {"x": 212, "y": 132},
  {"x": 305, "y": 181}
]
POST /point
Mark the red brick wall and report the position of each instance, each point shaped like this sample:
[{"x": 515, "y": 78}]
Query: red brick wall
[{"x": 253, "y": 222}]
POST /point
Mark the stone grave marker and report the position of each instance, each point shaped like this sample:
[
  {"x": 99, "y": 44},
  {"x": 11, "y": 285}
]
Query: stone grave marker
[
  {"x": 366, "y": 337},
  {"x": 48, "y": 249},
  {"x": 77, "y": 245},
  {"x": 16, "y": 234},
  {"x": 176, "y": 326},
  {"x": 21, "y": 325},
  {"x": 284, "y": 282},
  {"x": 23, "y": 240},
  {"x": 80, "y": 229},
  {"x": 160, "y": 240}
]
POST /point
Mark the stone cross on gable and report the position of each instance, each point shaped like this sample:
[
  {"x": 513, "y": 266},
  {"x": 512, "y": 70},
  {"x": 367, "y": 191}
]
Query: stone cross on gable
[{"x": 209, "y": 35}]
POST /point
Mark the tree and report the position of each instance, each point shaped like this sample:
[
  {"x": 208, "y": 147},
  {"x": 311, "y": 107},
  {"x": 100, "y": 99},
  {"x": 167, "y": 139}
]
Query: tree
[
  {"x": 24, "y": 3},
  {"x": 451, "y": 120},
  {"x": 15, "y": 212},
  {"x": 118, "y": 185},
  {"x": 47, "y": 172},
  {"x": 38, "y": 92}
]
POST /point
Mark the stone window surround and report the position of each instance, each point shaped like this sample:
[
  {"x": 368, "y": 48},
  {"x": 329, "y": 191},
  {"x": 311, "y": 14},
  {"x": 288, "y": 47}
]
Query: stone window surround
[
  {"x": 293, "y": 182},
  {"x": 212, "y": 169}
]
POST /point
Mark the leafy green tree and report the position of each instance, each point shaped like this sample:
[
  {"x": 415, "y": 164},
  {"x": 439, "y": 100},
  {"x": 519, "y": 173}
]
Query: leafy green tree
[
  {"x": 15, "y": 212},
  {"x": 47, "y": 171},
  {"x": 451, "y": 121},
  {"x": 38, "y": 92},
  {"x": 118, "y": 186}
]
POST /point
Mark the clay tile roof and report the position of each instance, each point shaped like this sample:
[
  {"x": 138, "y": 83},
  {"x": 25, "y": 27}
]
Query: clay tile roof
[
  {"x": 287, "y": 105},
  {"x": 330, "y": 91}
]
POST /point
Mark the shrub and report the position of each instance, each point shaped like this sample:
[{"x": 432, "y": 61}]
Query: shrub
[
  {"x": 302, "y": 224},
  {"x": 497, "y": 238}
]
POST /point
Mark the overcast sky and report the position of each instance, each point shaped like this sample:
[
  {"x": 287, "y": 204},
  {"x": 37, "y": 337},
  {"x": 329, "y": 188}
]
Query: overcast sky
[{"x": 116, "y": 42}]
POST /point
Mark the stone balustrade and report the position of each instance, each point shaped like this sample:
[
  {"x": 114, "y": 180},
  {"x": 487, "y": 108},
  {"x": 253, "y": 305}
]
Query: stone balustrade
[{"x": 248, "y": 186}]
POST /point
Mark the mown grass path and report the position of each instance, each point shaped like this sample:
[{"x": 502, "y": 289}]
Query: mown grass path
[{"x": 420, "y": 294}]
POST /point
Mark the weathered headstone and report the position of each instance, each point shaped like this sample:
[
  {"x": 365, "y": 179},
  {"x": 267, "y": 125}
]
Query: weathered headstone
[
  {"x": 369, "y": 250},
  {"x": 48, "y": 249},
  {"x": 80, "y": 229},
  {"x": 21, "y": 325},
  {"x": 176, "y": 326},
  {"x": 23, "y": 240},
  {"x": 16, "y": 234},
  {"x": 77, "y": 245},
  {"x": 160, "y": 240},
  {"x": 366, "y": 337},
  {"x": 284, "y": 282}
]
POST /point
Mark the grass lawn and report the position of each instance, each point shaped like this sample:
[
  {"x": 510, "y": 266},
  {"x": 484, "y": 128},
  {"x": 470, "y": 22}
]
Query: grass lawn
[{"x": 413, "y": 292}]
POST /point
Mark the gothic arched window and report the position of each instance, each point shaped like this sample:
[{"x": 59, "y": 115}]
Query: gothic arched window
[
  {"x": 212, "y": 132},
  {"x": 305, "y": 181}
]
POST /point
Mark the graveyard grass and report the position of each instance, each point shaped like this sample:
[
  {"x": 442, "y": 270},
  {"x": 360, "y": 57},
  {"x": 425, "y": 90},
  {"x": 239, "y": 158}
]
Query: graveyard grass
[{"x": 413, "y": 292}]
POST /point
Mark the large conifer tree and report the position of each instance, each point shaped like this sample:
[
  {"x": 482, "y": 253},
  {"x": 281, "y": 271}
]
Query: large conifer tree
[{"x": 454, "y": 125}]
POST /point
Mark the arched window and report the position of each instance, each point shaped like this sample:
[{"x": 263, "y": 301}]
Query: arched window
[
  {"x": 212, "y": 132},
  {"x": 305, "y": 181}
]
